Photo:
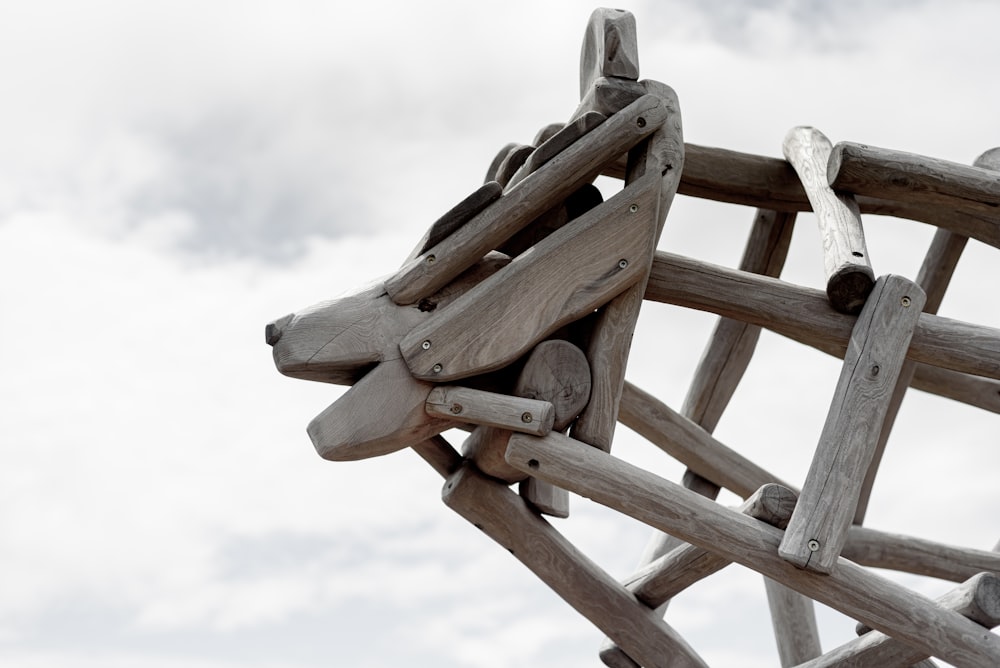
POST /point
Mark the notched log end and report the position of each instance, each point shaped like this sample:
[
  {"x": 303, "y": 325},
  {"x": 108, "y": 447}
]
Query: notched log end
[{"x": 848, "y": 289}]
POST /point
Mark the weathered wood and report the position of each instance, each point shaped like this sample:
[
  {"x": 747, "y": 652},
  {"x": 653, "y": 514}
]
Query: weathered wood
[
  {"x": 498, "y": 512},
  {"x": 464, "y": 404},
  {"x": 664, "y": 578},
  {"x": 383, "y": 412},
  {"x": 438, "y": 452},
  {"x": 457, "y": 216},
  {"x": 507, "y": 314},
  {"x": 909, "y": 554},
  {"x": 849, "y": 275},
  {"x": 972, "y": 390},
  {"x": 671, "y": 508},
  {"x": 543, "y": 134},
  {"x": 610, "y": 47},
  {"x": 977, "y": 599},
  {"x": 485, "y": 447},
  {"x": 800, "y": 314},
  {"x": 516, "y": 156},
  {"x": 545, "y": 188},
  {"x": 611, "y": 336},
  {"x": 556, "y": 144},
  {"x": 794, "y": 621},
  {"x": 875, "y": 356},
  {"x": 544, "y": 497},
  {"x": 890, "y": 174},
  {"x": 608, "y": 95},
  {"x": 498, "y": 159},
  {"x": 577, "y": 204}
]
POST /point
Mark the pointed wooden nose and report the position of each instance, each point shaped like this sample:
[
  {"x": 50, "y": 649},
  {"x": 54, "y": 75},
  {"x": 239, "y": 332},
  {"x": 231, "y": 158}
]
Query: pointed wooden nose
[{"x": 272, "y": 333}]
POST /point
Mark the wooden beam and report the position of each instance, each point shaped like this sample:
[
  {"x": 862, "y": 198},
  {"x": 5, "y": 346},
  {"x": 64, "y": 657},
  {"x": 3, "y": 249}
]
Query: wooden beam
[
  {"x": 794, "y": 621},
  {"x": 471, "y": 406},
  {"x": 556, "y": 144},
  {"x": 504, "y": 517},
  {"x": 437, "y": 452},
  {"x": 880, "y": 603},
  {"x": 849, "y": 275}
]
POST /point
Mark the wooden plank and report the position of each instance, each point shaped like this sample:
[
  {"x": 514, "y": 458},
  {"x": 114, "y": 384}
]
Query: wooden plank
[
  {"x": 978, "y": 599},
  {"x": 800, "y": 314},
  {"x": 879, "y": 549},
  {"x": 610, "y": 47},
  {"x": 471, "y": 406},
  {"x": 566, "y": 276},
  {"x": 611, "y": 336},
  {"x": 849, "y": 275},
  {"x": 504, "y": 517},
  {"x": 550, "y": 185},
  {"x": 457, "y": 216},
  {"x": 794, "y": 621},
  {"x": 875, "y": 356},
  {"x": 880, "y": 603},
  {"x": 890, "y": 174},
  {"x": 556, "y": 144}
]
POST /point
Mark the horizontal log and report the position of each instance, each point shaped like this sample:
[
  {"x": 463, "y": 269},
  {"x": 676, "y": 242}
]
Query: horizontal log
[
  {"x": 854, "y": 591},
  {"x": 463, "y": 404},
  {"x": 973, "y": 390},
  {"x": 908, "y": 554},
  {"x": 804, "y": 315},
  {"x": 897, "y": 175}
]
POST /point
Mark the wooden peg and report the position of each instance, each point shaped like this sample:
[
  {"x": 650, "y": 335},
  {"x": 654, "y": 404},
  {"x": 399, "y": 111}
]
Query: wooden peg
[
  {"x": 849, "y": 275},
  {"x": 610, "y": 47},
  {"x": 457, "y": 216},
  {"x": 874, "y": 359}
]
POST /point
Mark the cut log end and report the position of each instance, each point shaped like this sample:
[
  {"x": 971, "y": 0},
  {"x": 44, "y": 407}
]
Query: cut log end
[{"x": 848, "y": 289}]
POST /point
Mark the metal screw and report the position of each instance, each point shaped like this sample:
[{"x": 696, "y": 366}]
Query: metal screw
[
  {"x": 905, "y": 301},
  {"x": 526, "y": 418},
  {"x": 456, "y": 408},
  {"x": 622, "y": 264},
  {"x": 426, "y": 345},
  {"x": 633, "y": 208},
  {"x": 437, "y": 368},
  {"x": 431, "y": 259},
  {"x": 641, "y": 122},
  {"x": 875, "y": 370},
  {"x": 813, "y": 545}
]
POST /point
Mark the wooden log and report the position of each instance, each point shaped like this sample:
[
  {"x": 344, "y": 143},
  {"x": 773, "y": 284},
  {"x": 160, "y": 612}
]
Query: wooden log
[
  {"x": 979, "y": 392},
  {"x": 470, "y": 406},
  {"x": 890, "y": 174},
  {"x": 494, "y": 168},
  {"x": 437, "y": 452},
  {"x": 799, "y": 313},
  {"x": 669, "y": 507},
  {"x": 457, "y": 216},
  {"x": 610, "y": 47},
  {"x": 664, "y": 578},
  {"x": 794, "y": 621},
  {"x": 504, "y": 517},
  {"x": 547, "y": 132},
  {"x": 516, "y": 156},
  {"x": 879, "y": 549},
  {"x": 550, "y": 185},
  {"x": 849, "y": 275},
  {"x": 875, "y": 356},
  {"x": 977, "y": 599},
  {"x": 544, "y": 497},
  {"x": 537, "y": 293},
  {"x": 556, "y": 144},
  {"x": 661, "y": 157}
]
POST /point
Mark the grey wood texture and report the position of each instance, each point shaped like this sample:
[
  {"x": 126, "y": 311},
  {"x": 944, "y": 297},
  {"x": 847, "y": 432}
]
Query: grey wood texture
[
  {"x": 973, "y": 390},
  {"x": 494, "y": 168},
  {"x": 578, "y": 203},
  {"x": 661, "y": 157},
  {"x": 608, "y": 95},
  {"x": 610, "y": 47},
  {"x": 516, "y": 156},
  {"x": 801, "y": 314},
  {"x": 875, "y": 356},
  {"x": 545, "y": 188},
  {"x": 485, "y": 447},
  {"x": 437, "y": 452},
  {"x": 671, "y": 508},
  {"x": 471, "y": 406},
  {"x": 794, "y": 622},
  {"x": 890, "y": 174},
  {"x": 457, "y": 216},
  {"x": 978, "y": 599},
  {"x": 909, "y": 554},
  {"x": 504, "y": 517},
  {"x": 556, "y": 144},
  {"x": 504, "y": 316},
  {"x": 544, "y": 497},
  {"x": 543, "y": 134},
  {"x": 849, "y": 275}
]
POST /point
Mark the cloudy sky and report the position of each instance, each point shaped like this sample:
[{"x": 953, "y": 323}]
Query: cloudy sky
[{"x": 173, "y": 175}]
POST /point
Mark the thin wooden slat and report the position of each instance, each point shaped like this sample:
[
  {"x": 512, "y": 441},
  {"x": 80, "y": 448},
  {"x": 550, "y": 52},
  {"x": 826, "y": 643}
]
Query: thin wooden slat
[
  {"x": 890, "y": 174},
  {"x": 801, "y": 314},
  {"x": 794, "y": 621},
  {"x": 457, "y": 216},
  {"x": 550, "y": 185},
  {"x": 471, "y": 406},
  {"x": 504, "y": 517},
  {"x": 507, "y": 314},
  {"x": 875, "y": 356},
  {"x": 849, "y": 275},
  {"x": 611, "y": 335},
  {"x": 977, "y": 598},
  {"x": 671, "y": 508},
  {"x": 556, "y": 144}
]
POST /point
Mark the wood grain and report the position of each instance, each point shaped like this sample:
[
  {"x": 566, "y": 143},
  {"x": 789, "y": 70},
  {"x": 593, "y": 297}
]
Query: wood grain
[
  {"x": 556, "y": 144},
  {"x": 610, "y": 47},
  {"x": 794, "y": 621},
  {"x": 457, "y": 216},
  {"x": 671, "y": 508},
  {"x": 909, "y": 554},
  {"x": 471, "y": 406}
]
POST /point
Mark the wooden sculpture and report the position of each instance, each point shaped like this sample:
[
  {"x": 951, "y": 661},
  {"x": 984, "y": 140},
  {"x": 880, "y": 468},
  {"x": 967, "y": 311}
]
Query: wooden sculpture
[{"x": 513, "y": 317}]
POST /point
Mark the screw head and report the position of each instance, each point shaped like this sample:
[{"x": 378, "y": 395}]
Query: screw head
[
  {"x": 641, "y": 122},
  {"x": 813, "y": 545},
  {"x": 622, "y": 263},
  {"x": 633, "y": 208},
  {"x": 526, "y": 417},
  {"x": 437, "y": 368},
  {"x": 456, "y": 408},
  {"x": 905, "y": 301},
  {"x": 431, "y": 259},
  {"x": 426, "y": 345}
]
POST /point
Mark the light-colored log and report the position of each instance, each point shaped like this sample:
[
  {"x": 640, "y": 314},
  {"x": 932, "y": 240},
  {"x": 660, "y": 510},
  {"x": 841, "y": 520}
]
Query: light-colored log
[
  {"x": 611, "y": 336},
  {"x": 875, "y": 356},
  {"x": 664, "y": 578},
  {"x": 794, "y": 621},
  {"x": 504, "y": 517},
  {"x": 973, "y": 390},
  {"x": 671, "y": 508},
  {"x": 556, "y": 144},
  {"x": 800, "y": 314},
  {"x": 550, "y": 185},
  {"x": 849, "y": 275},
  {"x": 507, "y": 314},
  {"x": 909, "y": 554},
  {"x": 544, "y": 497},
  {"x": 890, "y": 174},
  {"x": 457, "y": 216},
  {"x": 977, "y": 599},
  {"x": 610, "y": 47},
  {"x": 470, "y": 406},
  {"x": 437, "y": 452}
]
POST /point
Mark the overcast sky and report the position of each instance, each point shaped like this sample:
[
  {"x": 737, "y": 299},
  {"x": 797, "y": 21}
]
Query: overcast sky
[{"x": 173, "y": 175}]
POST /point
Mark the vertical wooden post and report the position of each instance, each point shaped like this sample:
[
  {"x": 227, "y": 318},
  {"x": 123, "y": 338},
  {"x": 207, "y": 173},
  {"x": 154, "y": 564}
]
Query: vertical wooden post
[
  {"x": 794, "y": 622},
  {"x": 875, "y": 355}
]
